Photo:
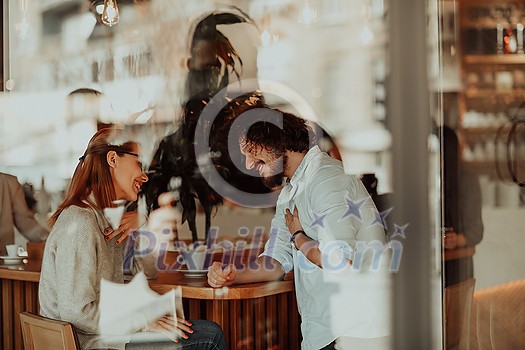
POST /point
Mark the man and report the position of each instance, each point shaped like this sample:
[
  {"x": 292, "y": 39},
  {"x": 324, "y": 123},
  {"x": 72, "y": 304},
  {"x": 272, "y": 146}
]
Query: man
[
  {"x": 14, "y": 212},
  {"x": 322, "y": 216}
]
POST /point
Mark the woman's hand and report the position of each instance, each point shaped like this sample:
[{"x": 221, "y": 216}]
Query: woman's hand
[
  {"x": 130, "y": 222},
  {"x": 162, "y": 222},
  {"x": 171, "y": 328},
  {"x": 292, "y": 220}
]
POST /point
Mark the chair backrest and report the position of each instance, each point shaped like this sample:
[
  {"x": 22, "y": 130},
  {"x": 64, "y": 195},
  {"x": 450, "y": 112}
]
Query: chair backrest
[
  {"x": 44, "y": 333},
  {"x": 498, "y": 317}
]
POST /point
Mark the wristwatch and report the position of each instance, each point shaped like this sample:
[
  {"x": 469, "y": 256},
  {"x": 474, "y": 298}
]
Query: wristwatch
[{"x": 294, "y": 236}]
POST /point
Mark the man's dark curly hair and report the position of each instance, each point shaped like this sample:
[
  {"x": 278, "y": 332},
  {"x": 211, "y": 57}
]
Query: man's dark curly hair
[{"x": 294, "y": 134}]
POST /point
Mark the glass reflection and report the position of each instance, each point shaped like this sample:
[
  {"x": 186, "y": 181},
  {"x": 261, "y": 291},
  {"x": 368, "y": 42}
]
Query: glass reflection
[
  {"x": 136, "y": 65},
  {"x": 481, "y": 107}
]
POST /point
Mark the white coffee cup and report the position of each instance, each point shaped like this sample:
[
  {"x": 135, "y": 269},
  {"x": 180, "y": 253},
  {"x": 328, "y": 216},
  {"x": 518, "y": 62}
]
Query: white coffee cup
[
  {"x": 196, "y": 258},
  {"x": 14, "y": 249}
]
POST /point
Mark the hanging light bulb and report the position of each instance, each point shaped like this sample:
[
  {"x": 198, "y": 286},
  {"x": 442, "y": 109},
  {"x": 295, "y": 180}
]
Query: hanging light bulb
[
  {"x": 308, "y": 14},
  {"x": 266, "y": 37},
  {"x": 366, "y": 35},
  {"x": 23, "y": 27},
  {"x": 110, "y": 13}
]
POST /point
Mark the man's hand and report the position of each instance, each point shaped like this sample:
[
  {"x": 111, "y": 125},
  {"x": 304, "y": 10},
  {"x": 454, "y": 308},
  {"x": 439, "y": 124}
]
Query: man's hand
[
  {"x": 219, "y": 276},
  {"x": 292, "y": 220}
]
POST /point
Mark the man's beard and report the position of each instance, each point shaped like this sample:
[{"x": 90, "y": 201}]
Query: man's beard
[{"x": 276, "y": 181}]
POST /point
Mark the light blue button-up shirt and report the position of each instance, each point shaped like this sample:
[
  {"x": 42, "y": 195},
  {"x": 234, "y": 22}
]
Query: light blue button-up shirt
[{"x": 334, "y": 209}]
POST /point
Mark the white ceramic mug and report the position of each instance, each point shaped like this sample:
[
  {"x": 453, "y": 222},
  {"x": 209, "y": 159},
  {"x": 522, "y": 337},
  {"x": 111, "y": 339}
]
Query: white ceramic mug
[
  {"x": 14, "y": 249},
  {"x": 195, "y": 259}
]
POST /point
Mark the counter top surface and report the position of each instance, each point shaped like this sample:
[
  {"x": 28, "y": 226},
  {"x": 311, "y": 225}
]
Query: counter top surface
[{"x": 192, "y": 287}]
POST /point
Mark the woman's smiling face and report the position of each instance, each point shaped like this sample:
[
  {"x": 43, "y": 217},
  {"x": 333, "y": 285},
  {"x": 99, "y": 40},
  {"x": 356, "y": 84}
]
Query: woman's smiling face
[{"x": 127, "y": 174}]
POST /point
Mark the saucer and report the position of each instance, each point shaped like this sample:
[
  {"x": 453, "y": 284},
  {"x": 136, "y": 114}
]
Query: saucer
[
  {"x": 13, "y": 259},
  {"x": 193, "y": 273}
]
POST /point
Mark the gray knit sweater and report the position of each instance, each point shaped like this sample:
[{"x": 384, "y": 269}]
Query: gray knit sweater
[{"x": 76, "y": 258}]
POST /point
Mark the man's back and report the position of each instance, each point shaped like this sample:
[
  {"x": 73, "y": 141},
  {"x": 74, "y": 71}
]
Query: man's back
[{"x": 14, "y": 212}]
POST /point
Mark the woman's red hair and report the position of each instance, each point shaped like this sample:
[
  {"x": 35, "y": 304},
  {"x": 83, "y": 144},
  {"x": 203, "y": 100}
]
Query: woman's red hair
[{"x": 92, "y": 175}]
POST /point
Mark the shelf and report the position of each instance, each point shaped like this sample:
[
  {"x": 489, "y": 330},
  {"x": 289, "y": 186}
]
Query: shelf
[
  {"x": 483, "y": 134},
  {"x": 478, "y": 21},
  {"x": 488, "y": 167},
  {"x": 487, "y": 93},
  {"x": 484, "y": 129},
  {"x": 485, "y": 23},
  {"x": 495, "y": 59}
]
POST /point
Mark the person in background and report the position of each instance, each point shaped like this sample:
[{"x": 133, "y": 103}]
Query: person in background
[
  {"x": 14, "y": 212},
  {"x": 79, "y": 253},
  {"x": 462, "y": 229},
  {"x": 29, "y": 196},
  {"x": 314, "y": 221},
  {"x": 462, "y": 210}
]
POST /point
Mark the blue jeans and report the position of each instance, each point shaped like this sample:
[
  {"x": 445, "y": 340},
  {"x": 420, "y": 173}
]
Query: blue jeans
[{"x": 206, "y": 335}]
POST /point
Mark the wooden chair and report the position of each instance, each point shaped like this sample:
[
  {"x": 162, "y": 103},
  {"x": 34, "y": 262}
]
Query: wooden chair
[
  {"x": 498, "y": 317},
  {"x": 44, "y": 333}
]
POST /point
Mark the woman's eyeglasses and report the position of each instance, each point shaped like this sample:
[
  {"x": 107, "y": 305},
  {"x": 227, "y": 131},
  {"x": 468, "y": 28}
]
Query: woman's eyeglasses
[{"x": 130, "y": 153}]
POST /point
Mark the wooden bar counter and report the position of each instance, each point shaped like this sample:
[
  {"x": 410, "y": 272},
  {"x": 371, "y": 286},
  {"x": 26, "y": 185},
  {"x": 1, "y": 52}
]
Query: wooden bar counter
[{"x": 253, "y": 316}]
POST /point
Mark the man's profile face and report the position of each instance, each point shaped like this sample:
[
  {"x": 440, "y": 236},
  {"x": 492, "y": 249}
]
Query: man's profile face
[{"x": 269, "y": 166}]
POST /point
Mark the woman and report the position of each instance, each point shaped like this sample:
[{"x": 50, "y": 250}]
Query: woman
[{"x": 81, "y": 250}]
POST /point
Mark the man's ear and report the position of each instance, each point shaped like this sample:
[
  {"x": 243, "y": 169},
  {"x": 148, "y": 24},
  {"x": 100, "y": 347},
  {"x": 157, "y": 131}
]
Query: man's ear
[{"x": 111, "y": 158}]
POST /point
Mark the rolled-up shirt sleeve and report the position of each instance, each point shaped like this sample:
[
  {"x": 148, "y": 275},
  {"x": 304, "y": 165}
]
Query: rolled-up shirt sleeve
[{"x": 278, "y": 245}]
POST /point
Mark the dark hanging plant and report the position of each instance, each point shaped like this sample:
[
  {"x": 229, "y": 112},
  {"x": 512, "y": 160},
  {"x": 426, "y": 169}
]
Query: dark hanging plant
[{"x": 174, "y": 166}]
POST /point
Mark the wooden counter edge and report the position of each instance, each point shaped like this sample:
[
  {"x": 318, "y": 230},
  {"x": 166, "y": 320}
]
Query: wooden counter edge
[
  {"x": 200, "y": 291},
  {"x": 19, "y": 275},
  {"x": 240, "y": 291}
]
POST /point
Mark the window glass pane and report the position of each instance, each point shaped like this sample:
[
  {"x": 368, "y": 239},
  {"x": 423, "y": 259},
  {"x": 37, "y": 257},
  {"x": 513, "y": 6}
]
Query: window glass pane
[{"x": 481, "y": 148}]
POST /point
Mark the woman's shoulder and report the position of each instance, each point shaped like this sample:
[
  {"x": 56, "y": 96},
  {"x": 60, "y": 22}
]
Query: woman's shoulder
[
  {"x": 75, "y": 220},
  {"x": 77, "y": 213}
]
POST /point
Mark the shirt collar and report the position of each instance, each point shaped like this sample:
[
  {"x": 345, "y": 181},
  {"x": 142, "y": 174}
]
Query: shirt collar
[{"x": 314, "y": 151}]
